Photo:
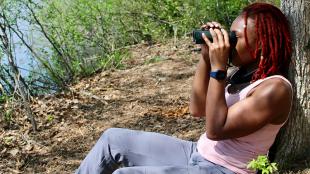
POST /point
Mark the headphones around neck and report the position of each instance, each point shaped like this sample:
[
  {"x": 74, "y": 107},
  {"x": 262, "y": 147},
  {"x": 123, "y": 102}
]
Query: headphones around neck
[{"x": 240, "y": 76}]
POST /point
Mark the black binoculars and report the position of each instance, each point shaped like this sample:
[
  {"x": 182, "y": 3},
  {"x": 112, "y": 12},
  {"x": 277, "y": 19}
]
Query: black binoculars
[{"x": 197, "y": 37}]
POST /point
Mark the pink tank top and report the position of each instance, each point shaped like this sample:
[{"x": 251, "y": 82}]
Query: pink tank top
[{"x": 235, "y": 154}]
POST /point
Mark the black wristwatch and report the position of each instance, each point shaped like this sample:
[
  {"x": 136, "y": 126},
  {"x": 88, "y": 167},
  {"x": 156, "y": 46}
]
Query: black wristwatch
[{"x": 218, "y": 74}]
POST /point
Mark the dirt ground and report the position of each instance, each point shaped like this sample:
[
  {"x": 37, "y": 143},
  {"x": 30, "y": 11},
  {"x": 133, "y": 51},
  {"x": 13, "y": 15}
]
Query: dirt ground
[{"x": 151, "y": 93}]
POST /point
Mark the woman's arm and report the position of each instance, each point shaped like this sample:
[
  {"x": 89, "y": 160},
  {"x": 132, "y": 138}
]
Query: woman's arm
[
  {"x": 197, "y": 104},
  {"x": 200, "y": 85}
]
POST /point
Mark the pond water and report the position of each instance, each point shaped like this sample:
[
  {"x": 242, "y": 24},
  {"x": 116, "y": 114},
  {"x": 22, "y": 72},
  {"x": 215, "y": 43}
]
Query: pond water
[
  {"x": 28, "y": 66},
  {"x": 25, "y": 62}
]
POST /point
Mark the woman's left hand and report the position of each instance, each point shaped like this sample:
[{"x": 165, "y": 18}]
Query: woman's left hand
[{"x": 218, "y": 49}]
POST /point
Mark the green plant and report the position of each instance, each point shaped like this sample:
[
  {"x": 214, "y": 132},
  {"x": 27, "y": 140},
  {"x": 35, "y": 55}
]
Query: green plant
[
  {"x": 262, "y": 164},
  {"x": 8, "y": 115},
  {"x": 114, "y": 60},
  {"x": 8, "y": 140},
  {"x": 3, "y": 98},
  {"x": 50, "y": 118},
  {"x": 6, "y": 109},
  {"x": 154, "y": 60}
]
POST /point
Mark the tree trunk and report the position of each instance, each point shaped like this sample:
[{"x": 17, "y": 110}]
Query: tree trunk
[{"x": 293, "y": 141}]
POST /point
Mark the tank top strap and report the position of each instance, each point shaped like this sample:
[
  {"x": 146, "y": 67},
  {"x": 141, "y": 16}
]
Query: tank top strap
[{"x": 281, "y": 77}]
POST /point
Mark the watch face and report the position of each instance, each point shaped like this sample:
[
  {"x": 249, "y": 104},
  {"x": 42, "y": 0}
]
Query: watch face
[{"x": 221, "y": 75}]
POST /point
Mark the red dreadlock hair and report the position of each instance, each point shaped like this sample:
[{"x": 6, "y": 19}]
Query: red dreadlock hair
[{"x": 273, "y": 45}]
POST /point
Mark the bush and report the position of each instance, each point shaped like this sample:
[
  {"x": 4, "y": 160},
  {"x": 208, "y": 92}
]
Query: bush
[{"x": 85, "y": 29}]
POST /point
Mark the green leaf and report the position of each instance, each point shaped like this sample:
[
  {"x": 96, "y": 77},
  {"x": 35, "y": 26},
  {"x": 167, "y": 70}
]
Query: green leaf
[
  {"x": 262, "y": 163},
  {"x": 50, "y": 118},
  {"x": 265, "y": 171}
]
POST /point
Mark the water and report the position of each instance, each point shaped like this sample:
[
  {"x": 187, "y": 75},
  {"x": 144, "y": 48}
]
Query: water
[
  {"x": 28, "y": 65},
  {"x": 24, "y": 59}
]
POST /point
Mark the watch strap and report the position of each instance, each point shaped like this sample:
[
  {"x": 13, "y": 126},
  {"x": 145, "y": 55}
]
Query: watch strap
[{"x": 218, "y": 74}]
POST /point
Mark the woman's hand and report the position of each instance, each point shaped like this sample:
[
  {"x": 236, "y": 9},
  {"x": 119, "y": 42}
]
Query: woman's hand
[
  {"x": 204, "y": 47},
  {"x": 219, "y": 48}
]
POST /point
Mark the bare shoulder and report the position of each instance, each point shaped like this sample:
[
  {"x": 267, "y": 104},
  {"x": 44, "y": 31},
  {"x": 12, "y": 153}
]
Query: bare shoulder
[
  {"x": 274, "y": 87},
  {"x": 275, "y": 93}
]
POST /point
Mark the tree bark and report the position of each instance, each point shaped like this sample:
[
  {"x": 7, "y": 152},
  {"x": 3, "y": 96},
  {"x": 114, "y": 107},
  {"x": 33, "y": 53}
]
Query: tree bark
[{"x": 293, "y": 141}]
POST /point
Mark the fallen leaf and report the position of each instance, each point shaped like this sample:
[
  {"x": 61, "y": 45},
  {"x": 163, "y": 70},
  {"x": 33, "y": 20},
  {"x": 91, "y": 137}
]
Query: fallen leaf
[{"x": 13, "y": 152}]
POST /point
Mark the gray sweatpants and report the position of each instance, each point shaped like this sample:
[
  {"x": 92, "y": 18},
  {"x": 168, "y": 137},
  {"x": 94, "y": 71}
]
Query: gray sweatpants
[{"x": 138, "y": 152}]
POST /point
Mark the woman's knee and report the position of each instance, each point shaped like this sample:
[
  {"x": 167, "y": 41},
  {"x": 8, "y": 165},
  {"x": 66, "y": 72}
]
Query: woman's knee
[
  {"x": 114, "y": 137},
  {"x": 111, "y": 132}
]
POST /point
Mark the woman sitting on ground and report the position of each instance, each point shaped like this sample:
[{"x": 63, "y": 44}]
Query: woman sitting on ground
[{"x": 242, "y": 118}]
